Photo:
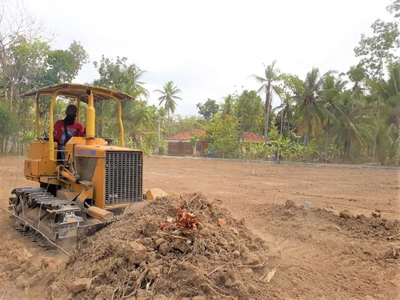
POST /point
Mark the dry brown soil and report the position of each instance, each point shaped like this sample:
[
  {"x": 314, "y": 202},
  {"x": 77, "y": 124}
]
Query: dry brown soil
[{"x": 317, "y": 255}]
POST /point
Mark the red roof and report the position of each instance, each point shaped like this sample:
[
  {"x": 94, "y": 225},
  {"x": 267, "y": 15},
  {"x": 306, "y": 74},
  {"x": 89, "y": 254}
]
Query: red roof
[
  {"x": 186, "y": 135},
  {"x": 248, "y": 136}
]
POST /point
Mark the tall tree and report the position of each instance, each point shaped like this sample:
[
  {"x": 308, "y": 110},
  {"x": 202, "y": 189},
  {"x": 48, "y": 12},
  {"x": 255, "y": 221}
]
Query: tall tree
[
  {"x": 271, "y": 76},
  {"x": 222, "y": 134},
  {"x": 227, "y": 106},
  {"x": 249, "y": 110},
  {"x": 169, "y": 96},
  {"x": 118, "y": 74},
  {"x": 378, "y": 51},
  {"x": 311, "y": 109},
  {"x": 64, "y": 65},
  {"x": 208, "y": 109}
]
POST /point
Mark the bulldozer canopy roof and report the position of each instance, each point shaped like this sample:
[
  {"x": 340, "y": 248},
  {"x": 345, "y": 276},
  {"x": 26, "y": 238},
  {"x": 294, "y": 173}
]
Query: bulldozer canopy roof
[{"x": 74, "y": 90}]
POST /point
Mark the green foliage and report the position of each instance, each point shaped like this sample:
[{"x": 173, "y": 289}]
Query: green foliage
[
  {"x": 208, "y": 109},
  {"x": 378, "y": 51},
  {"x": 8, "y": 122},
  {"x": 121, "y": 76},
  {"x": 222, "y": 135},
  {"x": 249, "y": 111},
  {"x": 289, "y": 149},
  {"x": 179, "y": 124},
  {"x": 320, "y": 116},
  {"x": 169, "y": 96}
]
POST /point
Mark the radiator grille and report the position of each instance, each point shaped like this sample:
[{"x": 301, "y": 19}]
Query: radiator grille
[
  {"x": 85, "y": 166},
  {"x": 123, "y": 172}
]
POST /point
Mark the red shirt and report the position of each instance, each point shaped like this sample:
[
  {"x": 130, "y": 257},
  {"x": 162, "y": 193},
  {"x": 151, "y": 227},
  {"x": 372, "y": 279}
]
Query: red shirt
[{"x": 75, "y": 129}]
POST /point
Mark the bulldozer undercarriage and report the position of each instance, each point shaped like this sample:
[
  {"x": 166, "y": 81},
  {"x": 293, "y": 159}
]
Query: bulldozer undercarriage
[
  {"x": 39, "y": 213},
  {"x": 51, "y": 222}
]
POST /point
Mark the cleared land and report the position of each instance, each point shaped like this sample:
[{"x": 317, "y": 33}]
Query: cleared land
[{"x": 317, "y": 254}]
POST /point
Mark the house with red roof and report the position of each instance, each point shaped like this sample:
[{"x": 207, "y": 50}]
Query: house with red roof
[
  {"x": 252, "y": 137},
  {"x": 179, "y": 144}
]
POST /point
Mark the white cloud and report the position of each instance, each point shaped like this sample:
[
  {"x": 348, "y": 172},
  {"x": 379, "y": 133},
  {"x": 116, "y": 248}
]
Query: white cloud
[{"x": 206, "y": 47}]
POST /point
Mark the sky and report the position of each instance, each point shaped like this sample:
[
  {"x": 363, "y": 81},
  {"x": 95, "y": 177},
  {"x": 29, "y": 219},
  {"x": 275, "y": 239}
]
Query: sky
[{"x": 209, "y": 48}]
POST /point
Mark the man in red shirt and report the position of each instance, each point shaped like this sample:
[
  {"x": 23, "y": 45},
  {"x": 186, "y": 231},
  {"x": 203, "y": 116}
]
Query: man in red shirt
[{"x": 67, "y": 128}]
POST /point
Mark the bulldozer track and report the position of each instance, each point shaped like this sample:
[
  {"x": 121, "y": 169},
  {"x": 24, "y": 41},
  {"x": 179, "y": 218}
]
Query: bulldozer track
[{"x": 34, "y": 237}]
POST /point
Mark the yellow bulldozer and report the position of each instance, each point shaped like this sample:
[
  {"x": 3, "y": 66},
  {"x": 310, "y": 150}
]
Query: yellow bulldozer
[{"x": 93, "y": 181}]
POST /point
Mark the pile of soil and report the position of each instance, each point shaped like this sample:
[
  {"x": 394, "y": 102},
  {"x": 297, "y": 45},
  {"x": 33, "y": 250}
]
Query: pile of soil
[
  {"x": 144, "y": 255},
  {"x": 20, "y": 269},
  {"x": 356, "y": 226}
]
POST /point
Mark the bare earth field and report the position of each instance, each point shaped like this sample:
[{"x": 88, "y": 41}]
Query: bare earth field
[{"x": 317, "y": 254}]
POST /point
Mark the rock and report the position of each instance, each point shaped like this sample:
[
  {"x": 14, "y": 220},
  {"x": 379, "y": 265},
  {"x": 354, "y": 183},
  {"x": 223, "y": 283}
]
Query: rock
[
  {"x": 236, "y": 254},
  {"x": 143, "y": 295},
  {"x": 222, "y": 222},
  {"x": 150, "y": 227},
  {"x": 139, "y": 253},
  {"x": 159, "y": 242},
  {"x": 248, "y": 271},
  {"x": 249, "y": 258},
  {"x": 345, "y": 214},
  {"x": 389, "y": 225},
  {"x": 164, "y": 249},
  {"x": 160, "y": 297},
  {"x": 153, "y": 273},
  {"x": 180, "y": 245},
  {"x": 78, "y": 285},
  {"x": 20, "y": 282},
  {"x": 290, "y": 204},
  {"x": 151, "y": 257},
  {"x": 199, "y": 298},
  {"x": 376, "y": 214},
  {"x": 33, "y": 280},
  {"x": 147, "y": 241}
]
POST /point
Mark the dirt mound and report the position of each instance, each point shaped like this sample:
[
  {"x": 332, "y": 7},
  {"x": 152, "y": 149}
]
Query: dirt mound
[
  {"x": 357, "y": 226},
  {"x": 162, "y": 251},
  {"x": 20, "y": 269}
]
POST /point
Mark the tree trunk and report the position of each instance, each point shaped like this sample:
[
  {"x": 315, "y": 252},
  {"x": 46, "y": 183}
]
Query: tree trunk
[
  {"x": 327, "y": 140},
  {"x": 266, "y": 116},
  {"x": 280, "y": 138},
  {"x": 305, "y": 146},
  {"x": 398, "y": 120}
]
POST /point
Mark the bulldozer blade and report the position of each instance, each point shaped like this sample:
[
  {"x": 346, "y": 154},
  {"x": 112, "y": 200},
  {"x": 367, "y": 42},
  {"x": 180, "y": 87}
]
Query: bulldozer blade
[{"x": 152, "y": 194}]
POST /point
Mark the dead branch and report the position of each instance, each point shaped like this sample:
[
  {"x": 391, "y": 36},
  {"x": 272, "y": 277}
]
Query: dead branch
[
  {"x": 216, "y": 292},
  {"x": 256, "y": 266}
]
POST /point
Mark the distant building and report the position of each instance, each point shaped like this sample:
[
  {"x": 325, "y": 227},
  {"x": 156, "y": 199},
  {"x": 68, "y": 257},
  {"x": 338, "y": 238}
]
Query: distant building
[
  {"x": 179, "y": 144},
  {"x": 252, "y": 137}
]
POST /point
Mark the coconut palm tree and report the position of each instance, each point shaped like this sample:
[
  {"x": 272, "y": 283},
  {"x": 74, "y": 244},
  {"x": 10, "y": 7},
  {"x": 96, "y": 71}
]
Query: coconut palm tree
[
  {"x": 351, "y": 122},
  {"x": 311, "y": 109},
  {"x": 267, "y": 82},
  {"x": 287, "y": 107},
  {"x": 169, "y": 96},
  {"x": 393, "y": 94}
]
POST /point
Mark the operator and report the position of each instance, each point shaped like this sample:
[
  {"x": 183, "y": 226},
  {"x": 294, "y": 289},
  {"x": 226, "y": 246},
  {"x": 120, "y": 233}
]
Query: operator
[{"x": 67, "y": 128}]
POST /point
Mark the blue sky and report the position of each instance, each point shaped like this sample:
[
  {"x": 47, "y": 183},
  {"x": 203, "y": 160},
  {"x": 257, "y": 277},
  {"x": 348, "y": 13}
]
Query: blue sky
[{"x": 208, "y": 47}]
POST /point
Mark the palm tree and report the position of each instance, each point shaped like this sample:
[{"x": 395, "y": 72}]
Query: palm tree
[
  {"x": 393, "y": 93},
  {"x": 332, "y": 89},
  {"x": 311, "y": 110},
  {"x": 169, "y": 95},
  {"x": 104, "y": 112},
  {"x": 267, "y": 86},
  {"x": 287, "y": 104},
  {"x": 350, "y": 122}
]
